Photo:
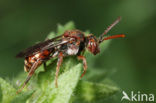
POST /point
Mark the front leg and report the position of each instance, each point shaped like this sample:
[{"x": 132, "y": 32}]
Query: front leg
[
  {"x": 59, "y": 62},
  {"x": 84, "y": 64}
]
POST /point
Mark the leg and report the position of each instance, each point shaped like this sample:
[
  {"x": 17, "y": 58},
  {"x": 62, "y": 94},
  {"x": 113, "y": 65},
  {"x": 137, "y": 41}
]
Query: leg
[
  {"x": 59, "y": 62},
  {"x": 84, "y": 64},
  {"x": 44, "y": 65},
  {"x": 31, "y": 72}
]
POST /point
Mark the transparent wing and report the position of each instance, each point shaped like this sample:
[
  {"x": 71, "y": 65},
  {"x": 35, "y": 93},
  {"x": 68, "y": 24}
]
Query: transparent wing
[{"x": 48, "y": 44}]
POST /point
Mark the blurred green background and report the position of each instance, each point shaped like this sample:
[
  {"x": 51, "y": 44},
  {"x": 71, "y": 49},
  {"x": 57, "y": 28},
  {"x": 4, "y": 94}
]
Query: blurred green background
[{"x": 130, "y": 61}]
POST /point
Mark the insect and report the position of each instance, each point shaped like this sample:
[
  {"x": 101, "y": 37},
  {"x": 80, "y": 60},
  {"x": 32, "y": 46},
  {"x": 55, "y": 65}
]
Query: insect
[{"x": 71, "y": 42}]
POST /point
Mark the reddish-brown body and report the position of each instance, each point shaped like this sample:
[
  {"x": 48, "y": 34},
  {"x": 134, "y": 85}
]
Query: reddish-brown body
[
  {"x": 72, "y": 42},
  {"x": 29, "y": 61}
]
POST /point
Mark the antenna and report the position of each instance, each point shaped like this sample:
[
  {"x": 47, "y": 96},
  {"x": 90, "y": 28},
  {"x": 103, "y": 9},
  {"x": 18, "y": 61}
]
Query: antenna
[
  {"x": 101, "y": 38},
  {"x": 114, "y": 36}
]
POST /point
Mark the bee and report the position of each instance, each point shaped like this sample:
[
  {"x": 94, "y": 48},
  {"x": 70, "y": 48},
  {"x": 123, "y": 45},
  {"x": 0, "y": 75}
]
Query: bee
[{"x": 70, "y": 43}]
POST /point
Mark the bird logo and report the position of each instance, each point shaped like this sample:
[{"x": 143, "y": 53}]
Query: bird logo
[{"x": 125, "y": 96}]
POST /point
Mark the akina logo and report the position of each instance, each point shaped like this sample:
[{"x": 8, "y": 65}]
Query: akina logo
[{"x": 137, "y": 96}]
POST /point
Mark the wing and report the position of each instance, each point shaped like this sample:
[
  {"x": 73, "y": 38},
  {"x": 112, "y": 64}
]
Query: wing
[{"x": 48, "y": 44}]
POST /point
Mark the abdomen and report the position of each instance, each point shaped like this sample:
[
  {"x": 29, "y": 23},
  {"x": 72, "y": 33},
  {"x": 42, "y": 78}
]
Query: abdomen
[{"x": 29, "y": 61}]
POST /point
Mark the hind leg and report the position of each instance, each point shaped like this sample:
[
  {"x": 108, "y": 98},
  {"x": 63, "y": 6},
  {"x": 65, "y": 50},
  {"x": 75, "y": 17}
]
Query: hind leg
[
  {"x": 59, "y": 62},
  {"x": 31, "y": 72}
]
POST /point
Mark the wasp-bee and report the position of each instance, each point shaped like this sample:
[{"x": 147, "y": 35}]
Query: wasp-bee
[{"x": 71, "y": 42}]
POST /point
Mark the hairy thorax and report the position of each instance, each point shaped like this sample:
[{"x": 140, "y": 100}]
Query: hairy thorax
[{"x": 72, "y": 49}]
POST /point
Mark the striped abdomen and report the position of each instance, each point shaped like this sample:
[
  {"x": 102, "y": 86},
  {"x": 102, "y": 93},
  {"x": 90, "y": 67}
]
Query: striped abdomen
[{"x": 40, "y": 57}]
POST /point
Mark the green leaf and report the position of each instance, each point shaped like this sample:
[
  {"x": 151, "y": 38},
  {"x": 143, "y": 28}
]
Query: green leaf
[
  {"x": 22, "y": 98},
  {"x": 51, "y": 35},
  {"x": 61, "y": 29},
  {"x": 95, "y": 75},
  {"x": 1, "y": 96},
  {"x": 49, "y": 72},
  {"x": 89, "y": 91},
  {"x": 7, "y": 90},
  {"x": 67, "y": 82},
  {"x": 68, "y": 26}
]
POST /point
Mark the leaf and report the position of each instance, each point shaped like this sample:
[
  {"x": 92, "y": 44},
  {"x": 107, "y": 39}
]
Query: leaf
[
  {"x": 68, "y": 26},
  {"x": 95, "y": 75},
  {"x": 67, "y": 82},
  {"x": 7, "y": 90},
  {"x": 1, "y": 96},
  {"x": 51, "y": 35},
  {"x": 61, "y": 29},
  {"x": 89, "y": 91},
  {"x": 49, "y": 72},
  {"x": 22, "y": 98}
]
